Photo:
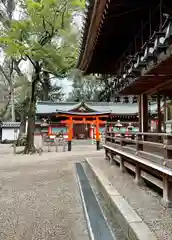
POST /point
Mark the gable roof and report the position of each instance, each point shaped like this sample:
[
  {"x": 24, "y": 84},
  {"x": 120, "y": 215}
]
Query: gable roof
[
  {"x": 10, "y": 125},
  {"x": 97, "y": 107}
]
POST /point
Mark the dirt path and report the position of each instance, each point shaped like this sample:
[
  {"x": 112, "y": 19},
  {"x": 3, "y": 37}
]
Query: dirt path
[{"x": 39, "y": 197}]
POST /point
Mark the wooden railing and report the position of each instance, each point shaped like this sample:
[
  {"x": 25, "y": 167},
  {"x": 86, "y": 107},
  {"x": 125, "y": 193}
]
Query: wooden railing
[
  {"x": 149, "y": 155},
  {"x": 151, "y": 144}
]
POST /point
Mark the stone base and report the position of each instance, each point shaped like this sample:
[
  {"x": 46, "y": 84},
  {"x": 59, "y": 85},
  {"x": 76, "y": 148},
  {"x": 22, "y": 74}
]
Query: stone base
[
  {"x": 165, "y": 203},
  {"x": 98, "y": 145},
  {"x": 139, "y": 181},
  {"x": 122, "y": 167},
  {"x": 69, "y": 146},
  {"x": 111, "y": 161}
]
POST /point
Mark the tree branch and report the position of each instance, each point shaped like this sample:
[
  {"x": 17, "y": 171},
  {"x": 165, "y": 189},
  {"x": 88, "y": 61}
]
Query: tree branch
[
  {"x": 6, "y": 107},
  {"x": 33, "y": 63},
  {"x": 5, "y": 75},
  {"x": 63, "y": 15}
]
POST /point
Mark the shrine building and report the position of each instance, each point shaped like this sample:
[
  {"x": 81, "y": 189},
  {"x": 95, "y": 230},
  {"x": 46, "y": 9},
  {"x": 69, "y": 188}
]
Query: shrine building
[
  {"x": 53, "y": 118},
  {"x": 83, "y": 118},
  {"x": 131, "y": 41}
]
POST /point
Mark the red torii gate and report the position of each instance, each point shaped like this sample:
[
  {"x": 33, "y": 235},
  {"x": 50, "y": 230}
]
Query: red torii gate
[{"x": 95, "y": 120}]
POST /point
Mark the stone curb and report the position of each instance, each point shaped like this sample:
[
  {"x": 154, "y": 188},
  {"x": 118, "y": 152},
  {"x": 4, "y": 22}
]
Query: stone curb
[{"x": 130, "y": 222}]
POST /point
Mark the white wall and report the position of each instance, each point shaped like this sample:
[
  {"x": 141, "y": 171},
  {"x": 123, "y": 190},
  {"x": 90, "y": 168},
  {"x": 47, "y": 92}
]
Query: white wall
[{"x": 8, "y": 134}]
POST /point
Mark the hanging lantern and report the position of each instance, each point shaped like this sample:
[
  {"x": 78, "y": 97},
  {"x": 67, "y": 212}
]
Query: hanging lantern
[
  {"x": 160, "y": 45},
  {"x": 149, "y": 52},
  {"x": 168, "y": 35},
  {"x": 44, "y": 122},
  {"x": 141, "y": 61}
]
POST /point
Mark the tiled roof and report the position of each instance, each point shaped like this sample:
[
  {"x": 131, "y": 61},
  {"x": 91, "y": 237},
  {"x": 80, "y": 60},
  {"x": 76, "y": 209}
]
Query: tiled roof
[
  {"x": 84, "y": 113},
  {"x": 50, "y": 107},
  {"x": 116, "y": 108},
  {"x": 10, "y": 124}
]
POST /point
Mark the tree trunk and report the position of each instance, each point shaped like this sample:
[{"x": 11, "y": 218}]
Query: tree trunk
[
  {"x": 22, "y": 129},
  {"x": 22, "y": 125},
  {"x": 30, "y": 148},
  {"x": 46, "y": 86},
  {"x": 13, "y": 117}
]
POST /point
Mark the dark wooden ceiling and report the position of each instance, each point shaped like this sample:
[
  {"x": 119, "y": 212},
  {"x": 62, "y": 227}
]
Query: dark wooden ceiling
[{"x": 123, "y": 21}]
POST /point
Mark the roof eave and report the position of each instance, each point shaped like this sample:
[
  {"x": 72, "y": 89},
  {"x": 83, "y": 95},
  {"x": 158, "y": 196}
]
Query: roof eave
[
  {"x": 89, "y": 40},
  {"x": 84, "y": 114}
]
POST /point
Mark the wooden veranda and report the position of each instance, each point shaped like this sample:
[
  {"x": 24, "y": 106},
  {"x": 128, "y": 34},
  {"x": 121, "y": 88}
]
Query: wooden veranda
[{"x": 132, "y": 42}]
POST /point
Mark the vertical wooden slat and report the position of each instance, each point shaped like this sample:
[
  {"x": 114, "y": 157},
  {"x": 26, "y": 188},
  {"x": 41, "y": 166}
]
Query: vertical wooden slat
[{"x": 159, "y": 114}]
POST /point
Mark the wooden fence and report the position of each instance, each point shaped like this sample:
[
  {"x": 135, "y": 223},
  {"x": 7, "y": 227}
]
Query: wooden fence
[
  {"x": 56, "y": 145},
  {"x": 148, "y": 155}
]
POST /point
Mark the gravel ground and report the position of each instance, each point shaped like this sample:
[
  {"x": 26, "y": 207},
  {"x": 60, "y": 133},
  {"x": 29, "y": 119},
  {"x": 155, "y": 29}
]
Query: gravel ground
[
  {"x": 143, "y": 200},
  {"x": 39, "y": 197}
]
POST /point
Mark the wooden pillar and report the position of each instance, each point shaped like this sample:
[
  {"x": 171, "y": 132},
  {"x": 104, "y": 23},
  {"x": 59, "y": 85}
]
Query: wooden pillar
[
  {"x": 106, "y": 154},
  {"x": 97, "y": 134},
  {"x": 91, "y": 132},
  {"x": 165, "y": 113},
  {"x": 159, "y": 114},
  {"x": 167, "y": 191},
  {"x": 122, "y": 167},
  {"x": 49, "y": 130},
  {"x": 143, "y": 113},
  {"x": 138, "y": 178},
  {"x": 167, "y": 141},
  {"x": 140, "y": 114},
  {"x": 70, "y": 133}
]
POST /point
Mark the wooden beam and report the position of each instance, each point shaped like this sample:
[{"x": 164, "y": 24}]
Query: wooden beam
[
  {"x": 158, "y": 87},
  {"x": 82, "y": 122},
  {"x": 82, "y": 116},
  {"x": 49, "y": 130},
  {"x": 98, "y": 10}
]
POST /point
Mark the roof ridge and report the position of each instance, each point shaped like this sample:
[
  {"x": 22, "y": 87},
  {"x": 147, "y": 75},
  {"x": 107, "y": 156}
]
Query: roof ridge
[
  {"x": 86, "y": 102},
  {"x": 109, "y": 103},
  {"x": 56, "y": 103}
]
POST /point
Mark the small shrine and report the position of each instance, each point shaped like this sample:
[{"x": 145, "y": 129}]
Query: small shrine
[{"x": 82, "y": 120}]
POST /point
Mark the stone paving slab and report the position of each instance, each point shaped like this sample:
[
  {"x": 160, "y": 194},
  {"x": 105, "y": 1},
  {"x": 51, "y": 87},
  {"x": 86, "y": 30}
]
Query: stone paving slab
[
  {"x": 144, "y": 201},
  {"x": 39, "y": 197}
]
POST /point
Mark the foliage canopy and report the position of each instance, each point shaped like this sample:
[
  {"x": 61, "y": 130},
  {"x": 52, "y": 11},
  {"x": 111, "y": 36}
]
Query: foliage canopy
[{"x": 44, "y": 34}]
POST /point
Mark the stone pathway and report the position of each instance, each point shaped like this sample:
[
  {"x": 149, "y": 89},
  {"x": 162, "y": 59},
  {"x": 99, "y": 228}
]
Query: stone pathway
[
  {"x": 143, "y": 200},
  {"x": 39, "y": 197}
]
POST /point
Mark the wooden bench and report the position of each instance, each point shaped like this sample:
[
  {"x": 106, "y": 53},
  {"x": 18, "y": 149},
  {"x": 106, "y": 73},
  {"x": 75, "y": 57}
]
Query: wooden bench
[{"x": 149, "y": 166}]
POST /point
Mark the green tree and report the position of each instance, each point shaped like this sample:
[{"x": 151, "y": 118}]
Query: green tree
[
  {"x": 42, "y": 37},
  {"x": 7, "y": 68},
  {"x": 106, "y": 93},
  {"x": 48, "y": 91},
  {"x": 85, "y": 88}
]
